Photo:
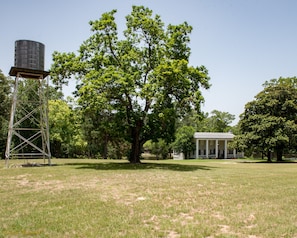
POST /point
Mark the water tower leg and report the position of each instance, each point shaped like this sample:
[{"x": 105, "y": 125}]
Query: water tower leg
[
  {"x": 28, "y": 132},
  {"x": 11, "y": 122},
  {"x": 44, "y": 119}
]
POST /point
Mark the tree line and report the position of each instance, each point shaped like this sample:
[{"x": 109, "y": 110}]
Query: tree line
[
  {"x": 137, "y": 91},
  {"x": 267, "y": 126},
  {"x": 76, "y": 132}
]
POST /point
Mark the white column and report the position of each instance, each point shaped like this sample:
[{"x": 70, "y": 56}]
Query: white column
[
  {"x": 197, "y": 148},
  {"x": 226, "y": 150},
  {"x": 216, "y": 148},
  {"x": 234, "y": 153},
  {"x": 206, "y": 149}
]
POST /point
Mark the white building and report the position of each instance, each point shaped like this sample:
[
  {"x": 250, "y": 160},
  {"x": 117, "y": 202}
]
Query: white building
[{"x": 212, "y": 145}]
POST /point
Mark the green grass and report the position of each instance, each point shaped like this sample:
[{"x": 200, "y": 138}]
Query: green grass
[{"x": 108, "y": 198}]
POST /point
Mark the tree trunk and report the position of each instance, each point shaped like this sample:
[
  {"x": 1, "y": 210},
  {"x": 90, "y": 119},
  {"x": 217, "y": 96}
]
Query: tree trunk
[
  {"x": 185, "y": 154},
  {"x": 56, "y": 149},
  {"x": 105, "y": 149},
  {"x": 136, "y": 143},
  {"x": 279, "y": 155},
  {"x": 269, "y": 156}
]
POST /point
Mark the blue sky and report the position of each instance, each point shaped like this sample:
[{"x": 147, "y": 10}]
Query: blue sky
[{"x": 242, "y": 43}]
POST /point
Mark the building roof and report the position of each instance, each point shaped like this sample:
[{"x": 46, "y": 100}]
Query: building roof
[{"x": 213, "y": 135}]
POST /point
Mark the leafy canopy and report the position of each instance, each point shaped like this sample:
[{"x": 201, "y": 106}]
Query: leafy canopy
[
  {"x": 143, "y": 77},
  {"x": 184, "y": 140},
  {"x": 269, "y": 122},
  {"x": 66, "y": 135}
]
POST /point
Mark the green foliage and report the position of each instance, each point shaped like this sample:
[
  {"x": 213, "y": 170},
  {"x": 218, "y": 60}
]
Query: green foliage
[
  {"x": 5, "y": 87},
  {"x": 141, "y": 83},
  {"x": 269, "y": 122},
  {"x": 216, "y": 121},
  {"x": 291, "y": 82},
  {"x": 193, "y": 121},
  {"x": 159, "y": 148},
  {"x": 65, "y": 134},
  {"x": 117, "y": 149},
  {"x": 54, "y": 93},
  {"x": 220, "y": 121},
  {"x": 103, "y": 133},
  {"x": 184, "y": 140}
]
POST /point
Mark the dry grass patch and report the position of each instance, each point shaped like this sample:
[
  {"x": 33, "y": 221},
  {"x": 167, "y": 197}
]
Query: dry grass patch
[{"x": 97, "y": 198}]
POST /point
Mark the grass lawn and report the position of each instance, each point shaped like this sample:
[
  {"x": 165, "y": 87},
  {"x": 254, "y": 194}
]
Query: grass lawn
[{"x": 109, "y": 198}]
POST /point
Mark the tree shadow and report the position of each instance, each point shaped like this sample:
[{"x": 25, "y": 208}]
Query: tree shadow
[
  {"x": 140, "y": 166},
  {"x": 271, "y": 162}
]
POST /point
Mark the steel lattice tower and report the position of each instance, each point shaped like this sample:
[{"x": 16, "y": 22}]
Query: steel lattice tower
[{"x": 28, "y": 131}]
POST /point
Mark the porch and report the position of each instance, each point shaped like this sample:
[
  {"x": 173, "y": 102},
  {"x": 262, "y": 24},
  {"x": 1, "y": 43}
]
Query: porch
[{"x": 214, "y": 145}]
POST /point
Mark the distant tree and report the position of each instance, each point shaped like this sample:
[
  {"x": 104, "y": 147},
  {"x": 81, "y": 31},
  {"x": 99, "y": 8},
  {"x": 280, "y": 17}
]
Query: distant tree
[
  {"x": 220, "y": 121},
  {"x": 159, "y": 148},
  {"x": 66, "y": 138},
  {"x": 269, "y": 122},
  {"x": 61, "y": 128},
  {"x": 118, "y": 149},
  {"x": 144, "y": 80},
  {"x": 184, "y": 140},
  {"x": 192, "y": 118},
  {"x": 291, "y": 82},
  {"x": 5, "y": 99},
  {"x": 216, "y": 121},
  {"x": 103, "y": 132},
  {"x": 54, "y": 94}
]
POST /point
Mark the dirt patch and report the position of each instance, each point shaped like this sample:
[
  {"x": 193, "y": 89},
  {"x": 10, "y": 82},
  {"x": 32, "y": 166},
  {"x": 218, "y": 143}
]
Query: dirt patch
[
  {"x": 25, "y": 181},
  {"x": 173, "y": 234}
]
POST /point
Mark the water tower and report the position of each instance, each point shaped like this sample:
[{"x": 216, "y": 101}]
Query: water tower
[{"x": 28, "y": 132}]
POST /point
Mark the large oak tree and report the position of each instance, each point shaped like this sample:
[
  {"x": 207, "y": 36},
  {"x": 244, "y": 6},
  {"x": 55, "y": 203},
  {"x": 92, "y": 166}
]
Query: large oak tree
[
  {"x": 269, "y": 122},
  {"x": 143, "y": 77}
]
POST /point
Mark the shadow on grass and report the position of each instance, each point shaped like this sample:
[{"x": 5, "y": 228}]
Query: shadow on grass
[
  {"x": 271, "y": 162},
  {"x": 141, "y": 166}
]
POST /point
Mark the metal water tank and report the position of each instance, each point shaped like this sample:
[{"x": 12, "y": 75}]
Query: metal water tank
[{"x": 29, "y": 55}]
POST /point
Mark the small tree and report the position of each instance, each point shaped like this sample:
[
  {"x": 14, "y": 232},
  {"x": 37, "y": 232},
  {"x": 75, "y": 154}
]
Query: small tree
[
  {"x": 159, "y": 148},
  {"x": 220, "y": 121},
  {"x": 269, "y": 123},
  {"x": 65, "y": 133},
  {"x": 216, "y": 121},
  {"x": 184, "y": 140}
]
